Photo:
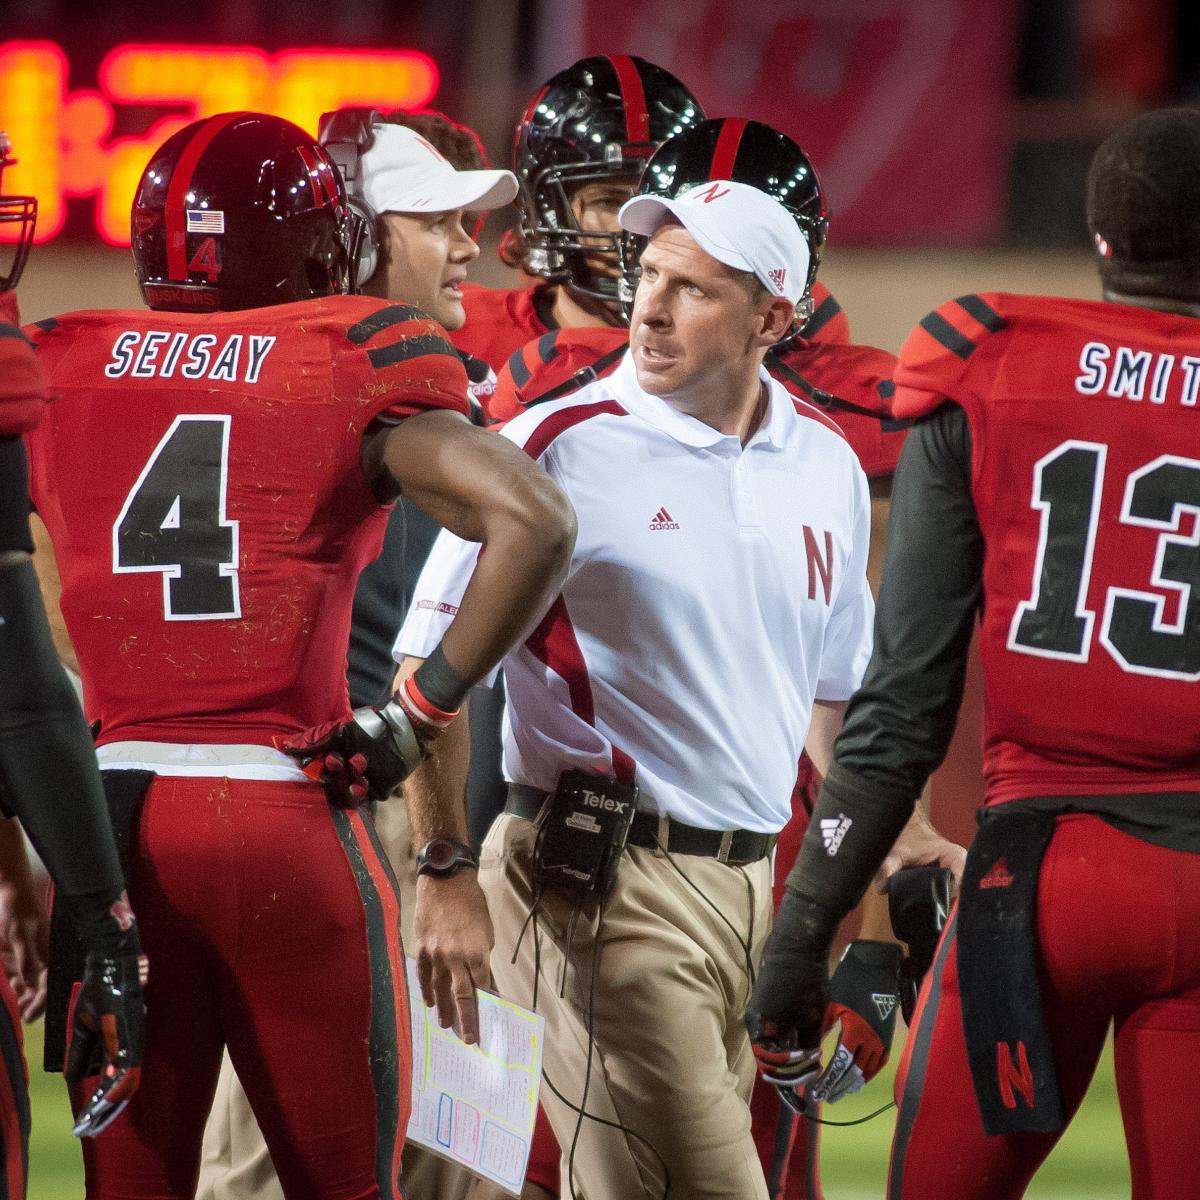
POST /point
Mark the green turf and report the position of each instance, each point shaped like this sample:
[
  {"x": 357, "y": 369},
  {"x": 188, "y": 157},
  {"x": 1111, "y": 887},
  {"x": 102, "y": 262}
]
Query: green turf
[{"x": 1089, "y": 1163}]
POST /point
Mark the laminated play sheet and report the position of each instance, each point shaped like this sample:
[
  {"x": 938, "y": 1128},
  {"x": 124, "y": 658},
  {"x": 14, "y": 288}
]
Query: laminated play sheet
[{"x": 476, "y": 1105}]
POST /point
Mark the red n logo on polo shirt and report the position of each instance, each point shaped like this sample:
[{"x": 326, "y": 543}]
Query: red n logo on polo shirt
[{"x": 818, "y": 567}]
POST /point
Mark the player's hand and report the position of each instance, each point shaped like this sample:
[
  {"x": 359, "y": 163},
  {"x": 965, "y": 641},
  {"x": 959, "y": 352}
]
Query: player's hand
[
  {"x": 920, "y": 845},
  {"x": 864, "y": 998},
  {"x": 328, "y": 757},
  {"x": 369, "y": 756},
  {"x": 785, "y": 1020},
  {"x": 107, "y": 1033},
  {"x": 454, "y": 939},
  {"x": 24, "y": 934}
]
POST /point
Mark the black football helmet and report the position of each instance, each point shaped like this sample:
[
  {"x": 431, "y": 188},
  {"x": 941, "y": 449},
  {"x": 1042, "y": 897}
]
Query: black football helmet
[
  {"x": 600, "y": 118},
  {"x": 241, "y": 210},
  {"x": 15, "y": 210},
  {"x": 747, "y": 152}
]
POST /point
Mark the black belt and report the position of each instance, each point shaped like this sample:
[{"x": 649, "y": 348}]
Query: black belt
[{"x": 736, "y": 847}]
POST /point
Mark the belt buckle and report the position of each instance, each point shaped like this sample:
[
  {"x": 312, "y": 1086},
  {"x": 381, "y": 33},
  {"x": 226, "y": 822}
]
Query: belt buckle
[
  {"x": 726, "y": 845},
  {"x": 663, "y": 837}
]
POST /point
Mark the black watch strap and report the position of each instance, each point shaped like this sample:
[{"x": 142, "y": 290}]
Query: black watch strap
[{"x": 444, "y": 856}]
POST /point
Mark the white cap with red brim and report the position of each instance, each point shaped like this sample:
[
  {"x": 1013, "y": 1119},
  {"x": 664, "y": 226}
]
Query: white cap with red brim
[
  {"x": 736, "y": 224},
  {"x": 403, "y": 173}
]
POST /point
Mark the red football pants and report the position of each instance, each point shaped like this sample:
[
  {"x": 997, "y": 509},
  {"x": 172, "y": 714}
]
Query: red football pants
[
  {"x": 271, "y": 922},
  {"x": 1117, "y": 928},
  {"x": 14, "y": 1098}
]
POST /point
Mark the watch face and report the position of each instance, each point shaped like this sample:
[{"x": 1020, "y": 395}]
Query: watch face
[{"x": 440, "y": 854}]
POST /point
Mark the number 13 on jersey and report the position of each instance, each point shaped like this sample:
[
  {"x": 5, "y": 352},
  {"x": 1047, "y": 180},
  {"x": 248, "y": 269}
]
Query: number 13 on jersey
[
  {"x": 173, "y": 521},
  {"x": 1055, "y": 622}
]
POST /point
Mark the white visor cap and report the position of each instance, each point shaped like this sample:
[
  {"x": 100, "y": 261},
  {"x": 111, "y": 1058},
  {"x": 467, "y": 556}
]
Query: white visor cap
[
  {"x": 403, "y": 173},
  {"x": 735, "y": 223}
]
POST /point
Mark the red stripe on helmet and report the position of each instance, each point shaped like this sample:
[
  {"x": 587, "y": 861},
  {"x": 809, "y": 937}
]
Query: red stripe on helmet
[
  {"x": 633, "y": 96},
  {"x": 181, "y": 181},
  {"x": 317, "y": 183},
  {"x": 729, "y": 141}
]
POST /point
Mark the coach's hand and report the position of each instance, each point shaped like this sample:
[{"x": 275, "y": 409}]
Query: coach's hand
[
  {"x": 454, "y": 942},
  {"x": 864, "y": 997},
  {"x": 107, "y": 1033}
]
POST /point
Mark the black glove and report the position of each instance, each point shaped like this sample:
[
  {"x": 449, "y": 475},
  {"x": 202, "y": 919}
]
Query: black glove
[
  {"x": 918, "y": 903},
  {"x": 786, "y": 1013},
  {"x": 108, "y": 1024},
  {"x": 864, "y": 997},
  {"x": 367, "y": 757}
]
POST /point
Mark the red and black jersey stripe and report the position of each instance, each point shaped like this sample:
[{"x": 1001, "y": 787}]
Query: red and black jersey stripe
[
  {"x": 962, "y": 324},
  {"x": 404, "y": 347},
  {"x": 825, "y": 312},
  {"x": 521, "y": 364}
]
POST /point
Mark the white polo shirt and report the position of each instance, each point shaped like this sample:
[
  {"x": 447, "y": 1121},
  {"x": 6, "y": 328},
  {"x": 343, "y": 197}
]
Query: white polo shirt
[{"x": 714, "y": 592}]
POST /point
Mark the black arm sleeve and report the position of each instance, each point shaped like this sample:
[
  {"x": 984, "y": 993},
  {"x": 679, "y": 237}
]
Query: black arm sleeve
[
  {"x": 47, "y": 762},
  {"x": 899, "y": 724}
]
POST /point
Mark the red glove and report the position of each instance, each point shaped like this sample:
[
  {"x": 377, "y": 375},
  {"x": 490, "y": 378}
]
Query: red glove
[{"x": 864, "y": 998}]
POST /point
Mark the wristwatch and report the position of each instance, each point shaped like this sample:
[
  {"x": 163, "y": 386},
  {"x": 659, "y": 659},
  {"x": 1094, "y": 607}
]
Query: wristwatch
[{"x": 443, "y": 856}]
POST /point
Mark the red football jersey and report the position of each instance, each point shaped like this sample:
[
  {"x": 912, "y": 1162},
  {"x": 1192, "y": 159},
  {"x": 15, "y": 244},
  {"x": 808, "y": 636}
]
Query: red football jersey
[
  {"x": 500, "y": 321},
  {"x": 23, "y": 393},
  {"x": 858, "y": 375},
  {"x": 1085, "y": 434},
  {"x": 199, "y": 475}
]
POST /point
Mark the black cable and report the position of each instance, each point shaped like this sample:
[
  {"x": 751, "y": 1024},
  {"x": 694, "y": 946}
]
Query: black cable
[
  {"x": 846, "y": 1124},
  {"x": 737, "y": 937},
  {"x": 597, "y": 946}
]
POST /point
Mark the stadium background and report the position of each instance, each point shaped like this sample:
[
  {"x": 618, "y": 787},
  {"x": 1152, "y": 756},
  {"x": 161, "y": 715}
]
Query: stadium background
[{"x": 952, "y": 135}]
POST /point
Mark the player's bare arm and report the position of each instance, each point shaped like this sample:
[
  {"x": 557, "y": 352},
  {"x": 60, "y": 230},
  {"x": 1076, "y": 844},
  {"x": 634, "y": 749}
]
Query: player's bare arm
[{"x": 484, "y": 489}]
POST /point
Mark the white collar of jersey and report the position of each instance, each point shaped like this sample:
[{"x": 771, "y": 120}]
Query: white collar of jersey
[{"x": 773, "y": 434}]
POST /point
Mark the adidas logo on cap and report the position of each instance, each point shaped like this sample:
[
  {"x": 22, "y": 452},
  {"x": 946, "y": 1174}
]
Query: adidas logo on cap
[{"x": 833, "y": 831}]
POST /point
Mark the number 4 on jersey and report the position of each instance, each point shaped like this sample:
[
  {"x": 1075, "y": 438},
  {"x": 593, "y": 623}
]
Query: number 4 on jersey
[{"x": 173, "y": 521}]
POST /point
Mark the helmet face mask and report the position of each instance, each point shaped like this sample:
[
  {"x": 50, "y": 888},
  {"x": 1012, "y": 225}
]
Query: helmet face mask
[
  {"x": 14, "y": 210},
  {"x": 596, "y": 122},
  {"x": 747, "y": 152},
  {"x": 241, "y": 210}
]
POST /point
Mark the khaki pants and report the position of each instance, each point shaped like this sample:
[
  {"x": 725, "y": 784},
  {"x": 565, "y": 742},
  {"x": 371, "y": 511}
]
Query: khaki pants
[
  {"x": 235, "y": 1164},
  {"x": 671, "y": 1061}
]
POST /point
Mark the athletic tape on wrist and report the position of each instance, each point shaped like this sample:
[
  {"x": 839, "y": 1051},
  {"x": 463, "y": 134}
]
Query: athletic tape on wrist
[{"x": 440, "y": 685}]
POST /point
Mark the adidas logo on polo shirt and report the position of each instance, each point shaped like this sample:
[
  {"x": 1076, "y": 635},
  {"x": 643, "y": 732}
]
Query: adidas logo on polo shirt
[
  {"x": 662, "y": 520},
  {"x": 833, "y": 830}
]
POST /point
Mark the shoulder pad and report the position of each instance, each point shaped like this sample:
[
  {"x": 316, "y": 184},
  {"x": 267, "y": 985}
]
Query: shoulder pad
[
  {"x": 937, "y": 356},
  {"x": 828, "y": 323},
  {"x": 23, "y": 393},
  {"x": 549, "y": 363}
]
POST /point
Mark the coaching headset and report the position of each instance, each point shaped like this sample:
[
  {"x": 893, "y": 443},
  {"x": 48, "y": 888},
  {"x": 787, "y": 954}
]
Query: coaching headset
[{"x": 347, "y": 135}]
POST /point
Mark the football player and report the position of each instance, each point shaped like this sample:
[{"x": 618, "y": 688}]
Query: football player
[
  {"x": 419, "y": 179},
  {"x": 579, "y": 151},
  {"x": 48, "y": 779},
  {"x": 214, "y": 475},
  {"x": 1051, "y": 494},
  {"x": 852, "y": 383}
]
